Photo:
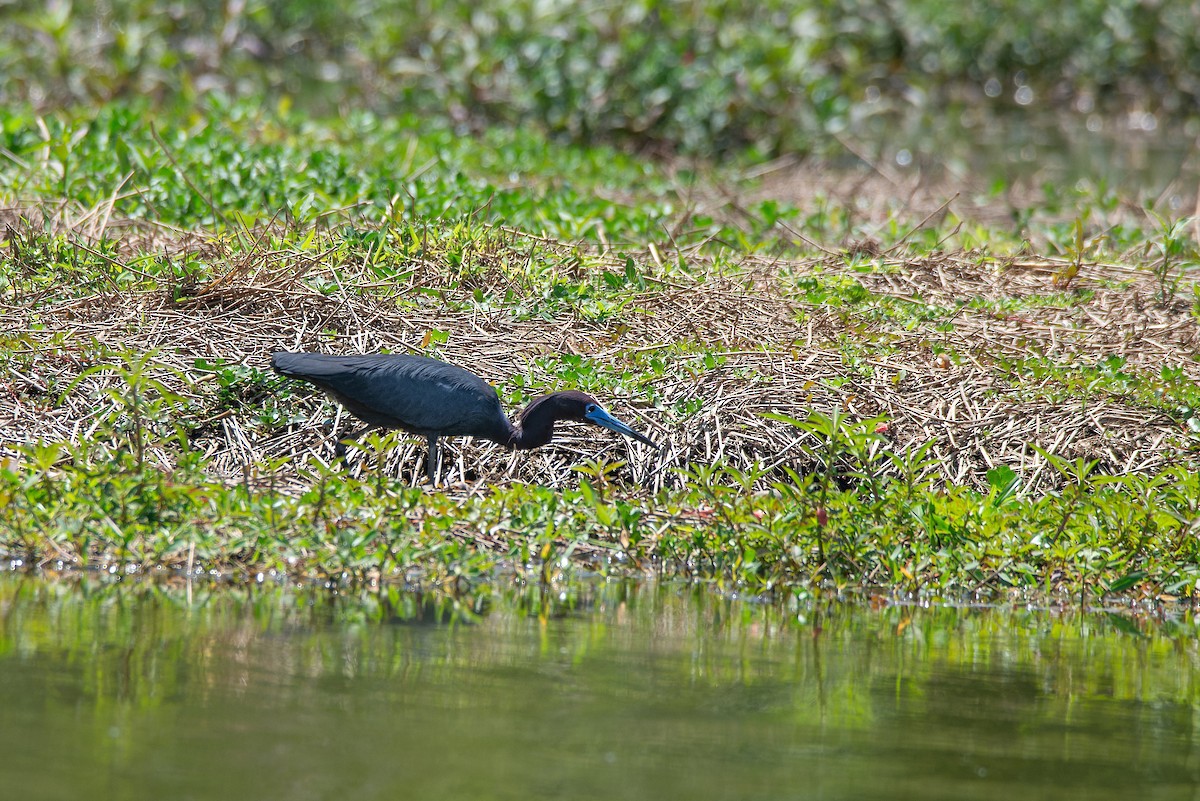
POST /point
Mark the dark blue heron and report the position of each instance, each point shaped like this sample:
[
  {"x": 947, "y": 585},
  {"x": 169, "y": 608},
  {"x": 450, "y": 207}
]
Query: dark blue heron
[{"x": 433, "y": 399}]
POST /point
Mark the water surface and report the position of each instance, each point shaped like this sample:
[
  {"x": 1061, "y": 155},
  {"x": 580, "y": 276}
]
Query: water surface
[{"x": 135, "y": 691}]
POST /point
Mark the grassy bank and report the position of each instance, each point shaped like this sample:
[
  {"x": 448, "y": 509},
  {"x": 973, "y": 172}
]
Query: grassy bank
[{"x": 947, "y": 406}]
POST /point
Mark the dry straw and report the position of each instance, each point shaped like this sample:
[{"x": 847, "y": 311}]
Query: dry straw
[{"x": 777, "y": 353}]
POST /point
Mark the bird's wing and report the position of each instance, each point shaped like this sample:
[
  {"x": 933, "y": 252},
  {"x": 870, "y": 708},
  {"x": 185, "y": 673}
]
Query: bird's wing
[{"x": 415, "y": 393}]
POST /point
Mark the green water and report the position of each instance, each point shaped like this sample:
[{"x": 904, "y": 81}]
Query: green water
[{"x": 133, "y": 691}]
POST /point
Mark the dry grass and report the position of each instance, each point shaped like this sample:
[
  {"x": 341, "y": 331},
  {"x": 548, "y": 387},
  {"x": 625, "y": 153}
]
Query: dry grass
[{"x": 780, "y": 354}]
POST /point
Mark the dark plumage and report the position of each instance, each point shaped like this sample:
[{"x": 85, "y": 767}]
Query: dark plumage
[{"x": 434, "y": 399}]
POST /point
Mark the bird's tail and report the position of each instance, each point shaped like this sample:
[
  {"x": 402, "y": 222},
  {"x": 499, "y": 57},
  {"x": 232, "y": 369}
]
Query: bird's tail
[{"x": 304, "y": 365}]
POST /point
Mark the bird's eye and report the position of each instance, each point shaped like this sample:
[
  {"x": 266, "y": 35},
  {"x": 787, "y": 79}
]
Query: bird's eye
[{"x": 591, "y": 407}]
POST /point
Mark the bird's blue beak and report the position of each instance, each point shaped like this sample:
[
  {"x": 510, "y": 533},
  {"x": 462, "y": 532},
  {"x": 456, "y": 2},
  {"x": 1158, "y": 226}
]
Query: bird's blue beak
[{"x": 605, "y": 420}]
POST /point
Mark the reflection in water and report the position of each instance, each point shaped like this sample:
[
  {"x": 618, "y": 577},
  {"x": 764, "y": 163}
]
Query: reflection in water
[
  {"x": 1133, "y": 155},
  {"x": 619, "y": 691}
]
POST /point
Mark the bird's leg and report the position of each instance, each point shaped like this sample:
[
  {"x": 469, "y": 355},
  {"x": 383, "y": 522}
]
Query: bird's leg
[
  {"x": 339, "y": 449},
  {"x": 433, "y": 466}
]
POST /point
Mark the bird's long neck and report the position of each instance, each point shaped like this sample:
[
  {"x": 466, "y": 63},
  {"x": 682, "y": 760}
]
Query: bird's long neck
[{"x": 535, "y": 427}]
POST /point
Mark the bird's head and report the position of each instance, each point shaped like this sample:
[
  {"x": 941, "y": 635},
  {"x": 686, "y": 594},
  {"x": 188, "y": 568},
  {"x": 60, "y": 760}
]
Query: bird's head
[{"x": 573, "y": 405}]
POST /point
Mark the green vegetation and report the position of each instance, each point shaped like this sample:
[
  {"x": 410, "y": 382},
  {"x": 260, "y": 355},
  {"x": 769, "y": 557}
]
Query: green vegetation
[
  {"x": 869, "y": 391},
  {"x": 185, "y": 452},
  {"x": 706, "y": 77}
]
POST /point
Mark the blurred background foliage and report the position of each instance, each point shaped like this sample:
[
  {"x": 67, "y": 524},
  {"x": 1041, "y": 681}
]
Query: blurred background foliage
[{"x": 704, "y": 78}]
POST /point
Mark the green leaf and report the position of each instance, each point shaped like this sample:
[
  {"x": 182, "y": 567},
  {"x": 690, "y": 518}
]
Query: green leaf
[{"x": 1126, "y": 581}]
